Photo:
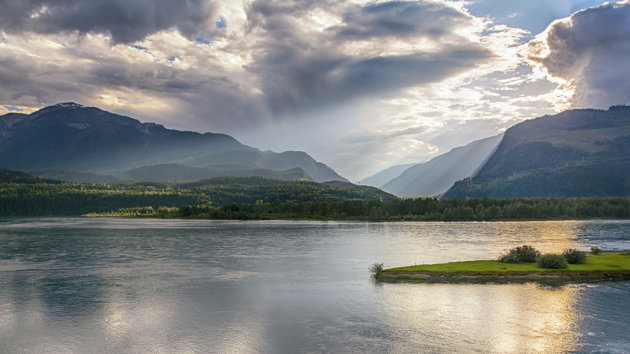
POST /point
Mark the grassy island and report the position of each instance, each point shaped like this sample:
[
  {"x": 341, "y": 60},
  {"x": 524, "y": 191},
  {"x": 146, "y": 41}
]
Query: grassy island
[{"x": 604, "y": 266}]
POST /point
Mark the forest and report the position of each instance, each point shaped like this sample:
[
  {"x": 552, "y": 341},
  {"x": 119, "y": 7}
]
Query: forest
[
  {"x": 247, "y": 198},
  {"x": 409, "y": 209},
  {"x": 24, "y": 195}
]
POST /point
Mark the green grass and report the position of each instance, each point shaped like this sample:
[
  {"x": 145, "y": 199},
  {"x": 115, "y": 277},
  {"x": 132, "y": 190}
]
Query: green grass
[{"x": 604, "y": 262}]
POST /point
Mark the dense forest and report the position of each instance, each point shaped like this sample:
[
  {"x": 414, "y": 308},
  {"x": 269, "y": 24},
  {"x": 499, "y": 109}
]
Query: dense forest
[
  {"x": 25, "y": 195},
  {"x": 410, "y": 209},
  {"x": 574, "y": 179},
  {"x": 265, "y": 198}
]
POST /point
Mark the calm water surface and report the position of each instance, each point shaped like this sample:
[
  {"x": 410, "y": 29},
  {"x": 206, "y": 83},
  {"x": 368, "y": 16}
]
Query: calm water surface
[{"x": 166, "y": 286}]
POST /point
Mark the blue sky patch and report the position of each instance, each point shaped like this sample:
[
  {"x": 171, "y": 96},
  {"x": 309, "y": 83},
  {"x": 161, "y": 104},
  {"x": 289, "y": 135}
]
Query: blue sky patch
[
  {"x": 139, "y": 47},
  {"x": 221, "y": 23},
  {"x": 203, "y": 40}
]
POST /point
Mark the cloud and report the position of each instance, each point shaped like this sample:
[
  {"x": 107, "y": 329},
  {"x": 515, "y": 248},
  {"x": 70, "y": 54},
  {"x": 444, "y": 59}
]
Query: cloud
[
  {"x": 125, "y": 21},
  {"x": 307, "y": 63},
  {"x": 589, "y": 53},
  {"x": 357, "y": 84},
  {"x": 401, "y": 19},
  {"x": 309, "y": 82},
  {"x": 532, "y": 15}
]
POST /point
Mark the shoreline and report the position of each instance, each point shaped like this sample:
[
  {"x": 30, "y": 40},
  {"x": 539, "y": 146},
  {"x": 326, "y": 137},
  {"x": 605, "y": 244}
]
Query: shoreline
[
  {"x": 503, "y": 278},
  {"x": 363, "y": 219},
  {"x": 606, "y": 266}
]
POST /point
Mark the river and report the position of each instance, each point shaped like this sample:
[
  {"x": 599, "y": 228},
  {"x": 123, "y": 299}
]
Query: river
[{"x": 96, "y": 285}]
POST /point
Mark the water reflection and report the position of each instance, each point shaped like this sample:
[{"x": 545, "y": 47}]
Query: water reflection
[
  {"x": 491, "y": 318},
  {"x": 160, "y": 286},
  {"x": 457, "y": 241}
]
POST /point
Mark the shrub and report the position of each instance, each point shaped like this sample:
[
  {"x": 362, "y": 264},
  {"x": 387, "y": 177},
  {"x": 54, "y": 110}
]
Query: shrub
[
  {"x": 574, "y": 256},
  {"x": 376, "y": 268},
  {"x": 520, "y": 254},
  {"x": 595, "y": 250},
  {"x": 552, "y": 261}
]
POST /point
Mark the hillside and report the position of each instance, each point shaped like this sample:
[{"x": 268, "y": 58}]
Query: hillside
[
  {"x": 22, "y": 194},
  {"x": 382, "y": 177},
  {"x": 438, "y": 174},
  {"x": 178, "y": 172},
  {"x": 78, "y": 141},
  {"x": 574, "y": 153}
]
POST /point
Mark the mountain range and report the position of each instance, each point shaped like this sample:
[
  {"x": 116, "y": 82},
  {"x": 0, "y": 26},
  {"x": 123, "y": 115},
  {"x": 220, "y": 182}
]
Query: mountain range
[
  {"x": 436, "y": 176},
  {"x": 85, "y": 144},
  {"x": 381, "y": 178},
  {"x": 575, "y": 153},
  {"x": 583, "y": 152}
]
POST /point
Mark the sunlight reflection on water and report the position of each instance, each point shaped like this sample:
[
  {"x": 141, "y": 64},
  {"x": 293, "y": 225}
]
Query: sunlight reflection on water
[{"x": 161, "y": 286}]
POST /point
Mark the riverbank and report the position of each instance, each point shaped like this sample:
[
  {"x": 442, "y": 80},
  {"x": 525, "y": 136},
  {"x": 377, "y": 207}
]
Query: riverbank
[{"x": 601, "y": 267}]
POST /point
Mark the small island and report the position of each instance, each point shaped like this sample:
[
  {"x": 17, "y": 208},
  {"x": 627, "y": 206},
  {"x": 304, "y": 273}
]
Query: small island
[{"x": 571, "y": 266}]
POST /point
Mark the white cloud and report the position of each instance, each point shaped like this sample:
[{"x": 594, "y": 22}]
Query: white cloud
[{"x": 587, "y": 54}]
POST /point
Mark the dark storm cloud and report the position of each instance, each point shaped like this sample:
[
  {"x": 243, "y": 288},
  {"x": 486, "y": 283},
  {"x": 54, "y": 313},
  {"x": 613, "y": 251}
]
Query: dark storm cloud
[
  {"x": 299, "y": 82},
  {"x": 301, "y": 70},
  {"x": 592, "y": 50},
  {"x": 400, "y": 19},
  {"x": 125, "y": 20}
]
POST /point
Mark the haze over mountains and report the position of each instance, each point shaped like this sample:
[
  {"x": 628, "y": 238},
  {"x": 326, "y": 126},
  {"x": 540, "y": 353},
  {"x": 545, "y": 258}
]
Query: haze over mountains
[
  {"x": 382, "y": 177},
  {"x": 574, "y": 153},
  {"x": 77, "y": 143},
  {"x": 437, "y": 175}
]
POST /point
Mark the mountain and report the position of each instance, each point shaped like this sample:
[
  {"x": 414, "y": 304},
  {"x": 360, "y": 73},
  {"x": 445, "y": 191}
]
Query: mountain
[
  {"x": 572, "y": 154},
  {"x": 177, "y": 172},
  {"x": 381, "y": 178},
  {"x": 76, "y": 176},
  {"x": 253, "y": 158},
  {"x": 438, "y": 174},
  {"x": 72, "y": 139},
  {"x": 7, "y": 121}
]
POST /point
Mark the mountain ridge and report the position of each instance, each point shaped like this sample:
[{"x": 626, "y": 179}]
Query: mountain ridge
[
  {"x": 572, "y": 153},
  {"x": 437, "y": 175},
  {"x": 71, "y": 137},
  {"x": 380, "y": 178}
]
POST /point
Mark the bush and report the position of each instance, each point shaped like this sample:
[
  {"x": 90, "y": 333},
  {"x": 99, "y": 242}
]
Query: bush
[
  {"x": 552, "y": 261},
  {"x": 520, "y": 254},
  {"x": 376, "y": 268},
  {"x": 574, "y": 256},
  {"x": 595, "y": 250}
]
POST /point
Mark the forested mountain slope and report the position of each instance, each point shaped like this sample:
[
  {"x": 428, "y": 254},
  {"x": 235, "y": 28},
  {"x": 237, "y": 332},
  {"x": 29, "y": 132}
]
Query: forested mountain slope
[{"x": 574, "y": 153}]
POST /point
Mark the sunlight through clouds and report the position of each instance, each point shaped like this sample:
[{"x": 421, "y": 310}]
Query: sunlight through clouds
[{"x": 397, "y": 82}]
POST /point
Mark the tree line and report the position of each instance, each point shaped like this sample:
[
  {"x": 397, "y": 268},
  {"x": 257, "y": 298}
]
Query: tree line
[
  {"x": 411, "y": 209},
  {"x": 265, "y": 198}
]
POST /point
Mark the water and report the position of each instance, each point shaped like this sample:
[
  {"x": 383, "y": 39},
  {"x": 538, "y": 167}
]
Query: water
[{"x": 83, "y": 285}]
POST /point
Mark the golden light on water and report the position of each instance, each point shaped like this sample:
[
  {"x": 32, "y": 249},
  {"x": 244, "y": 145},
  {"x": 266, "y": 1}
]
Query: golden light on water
[
  {"x": 503, "y": 318},
  {"x": 512, "y": 318},
  {"x": 534, "y": 318}
]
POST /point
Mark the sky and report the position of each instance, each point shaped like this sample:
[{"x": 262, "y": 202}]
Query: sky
[{"x": 359, "y": 85}]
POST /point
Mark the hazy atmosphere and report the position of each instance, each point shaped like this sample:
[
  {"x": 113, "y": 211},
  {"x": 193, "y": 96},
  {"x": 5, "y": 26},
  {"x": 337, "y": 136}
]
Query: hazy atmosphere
[
  {"x": 359, "y": 85},
  {"x": 300, "y": 176}
]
